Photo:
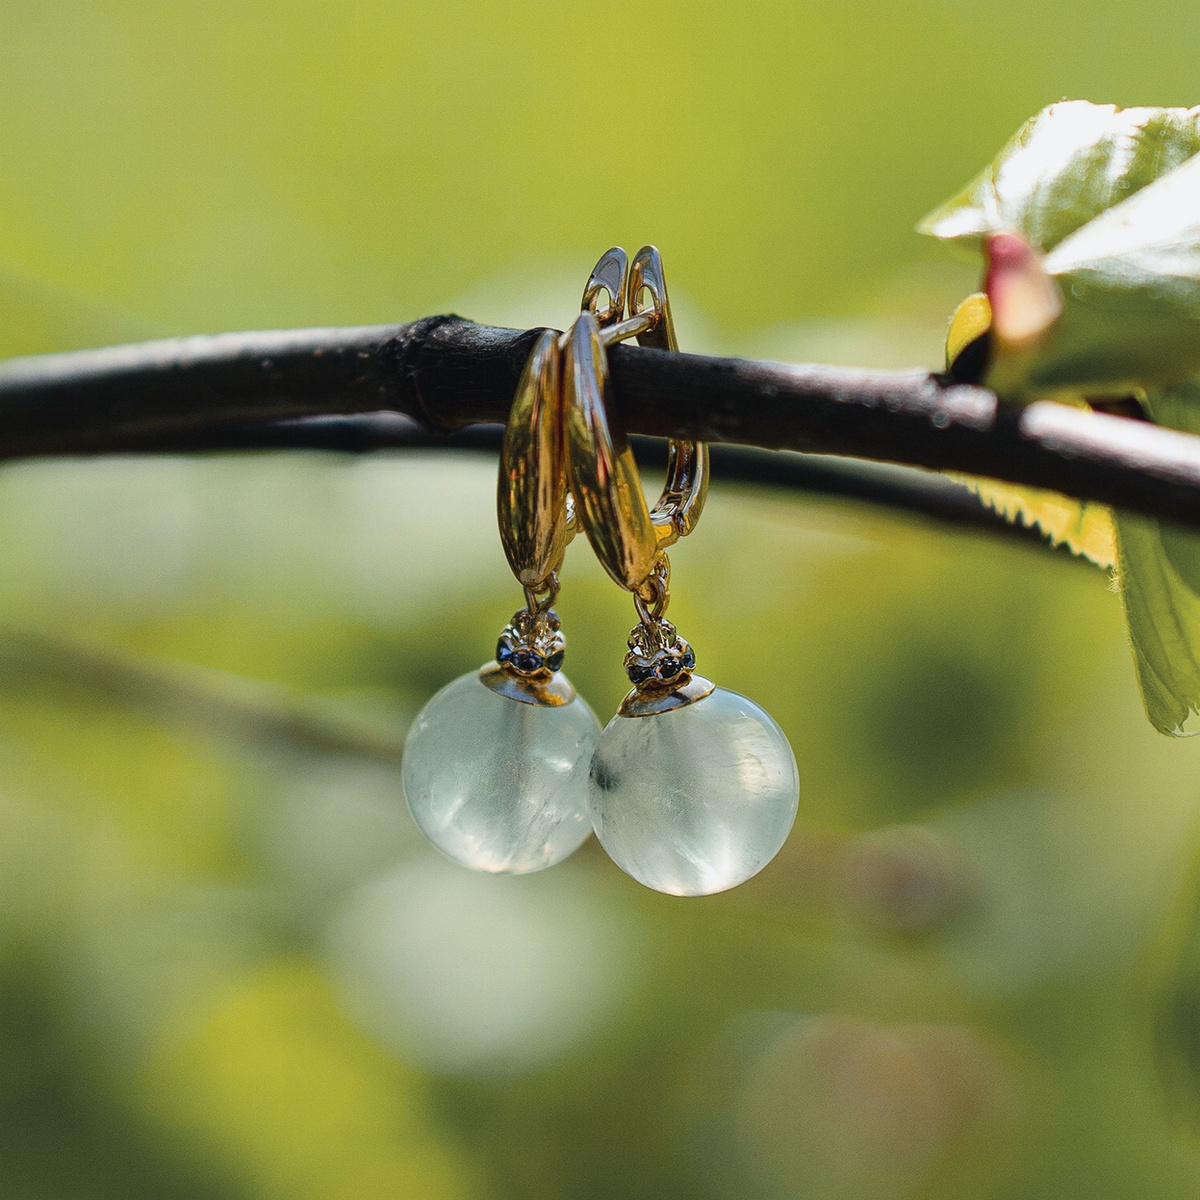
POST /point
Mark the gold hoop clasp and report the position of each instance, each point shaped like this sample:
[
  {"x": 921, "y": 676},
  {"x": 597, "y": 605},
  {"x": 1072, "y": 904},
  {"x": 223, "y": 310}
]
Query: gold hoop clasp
[
  {"x": 682, "y": 500},
  {"x": 531, "y": 499},
  {"x": 626, "y": 534},
  {"x": 608, "y": 276}
]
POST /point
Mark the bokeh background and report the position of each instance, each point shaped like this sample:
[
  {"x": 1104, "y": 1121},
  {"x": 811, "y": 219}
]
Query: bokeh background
[{"x": 229, "y": 968}]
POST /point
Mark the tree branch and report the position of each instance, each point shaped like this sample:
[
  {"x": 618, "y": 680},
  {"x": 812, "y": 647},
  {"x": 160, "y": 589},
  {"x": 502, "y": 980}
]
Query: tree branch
[
  {"x": 445, "y": 373},
  {"x": 901, "y": 489}
]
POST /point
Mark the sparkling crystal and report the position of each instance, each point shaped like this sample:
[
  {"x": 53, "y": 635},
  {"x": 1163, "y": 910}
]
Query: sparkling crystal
[
  {"x": 697, "y": 799},
  {"x": 496, "y": 784},
  {"x": 527, "y": 661}
]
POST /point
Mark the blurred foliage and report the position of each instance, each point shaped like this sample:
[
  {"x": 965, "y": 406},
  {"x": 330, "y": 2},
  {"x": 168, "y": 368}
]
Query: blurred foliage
[{"x": 229, "y": 967}]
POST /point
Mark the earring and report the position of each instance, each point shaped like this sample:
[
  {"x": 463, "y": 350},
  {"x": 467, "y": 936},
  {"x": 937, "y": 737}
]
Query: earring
[
  {"x": 495, "y": 767},
  {"x": 693, "y": 788}
]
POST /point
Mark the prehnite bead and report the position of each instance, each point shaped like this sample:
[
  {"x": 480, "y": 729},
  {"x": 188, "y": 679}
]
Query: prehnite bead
[
  {"x": 496, "y": 784},
  {"x": 697, "y": 799}
]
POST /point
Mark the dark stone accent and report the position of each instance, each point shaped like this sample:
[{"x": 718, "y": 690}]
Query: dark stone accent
[
  {"x": 639, "y": 673},
  {"x": 527, "y": 662}
]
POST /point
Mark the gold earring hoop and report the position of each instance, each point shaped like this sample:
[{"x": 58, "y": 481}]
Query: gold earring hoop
[
  {"x": 630, "y": 538},
  {"x": 534, "y": 504},
  {"x": 627, "y": 535},
  {"x": 532, "y": 512},
  {"x": 531, "y": 497},
  {"x": 608, "y": 278},
  {"x": 682, "y": 499},
  {"x": 697, "y": 792},
  {"x": 495, "y": 768}
]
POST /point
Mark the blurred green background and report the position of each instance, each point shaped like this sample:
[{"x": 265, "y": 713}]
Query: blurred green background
[{"x": 228, "y": 965}]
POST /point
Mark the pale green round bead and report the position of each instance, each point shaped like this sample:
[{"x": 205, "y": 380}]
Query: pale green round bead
[
  {"x": 697, "y": 799},
  {"x": 496, "y": 784}
]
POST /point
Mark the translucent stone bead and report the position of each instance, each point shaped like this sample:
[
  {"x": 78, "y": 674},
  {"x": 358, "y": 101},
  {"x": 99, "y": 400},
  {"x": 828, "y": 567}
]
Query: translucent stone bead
[
  {"x": 496, "y": 784},
  {"x": 697, "y": 799}
]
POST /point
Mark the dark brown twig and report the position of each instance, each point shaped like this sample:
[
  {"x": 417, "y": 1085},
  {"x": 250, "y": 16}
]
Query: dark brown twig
[{"x": 446, "y": 373}]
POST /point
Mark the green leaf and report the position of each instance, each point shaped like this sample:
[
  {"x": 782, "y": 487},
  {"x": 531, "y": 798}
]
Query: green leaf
[
  {"x": 1179, "y": 408},
  {"x": 1085, "y": 529},
  {"x": 1158, "y": 572},
  {"x": 1063, "y": 168},
  {"x": 1163, "y": 615},
  {"x": 1130, "y": 281},
  {"x": 1111, "y": 198}
]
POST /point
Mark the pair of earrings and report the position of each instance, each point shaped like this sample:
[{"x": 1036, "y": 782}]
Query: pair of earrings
[{"x": 690, "y": 788}]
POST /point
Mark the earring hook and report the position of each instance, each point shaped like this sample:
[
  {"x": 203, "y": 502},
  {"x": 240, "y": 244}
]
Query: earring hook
[
  {"x": 609, "y": 275},
  {"x": 532, "y": 486},
  {"x": 646, "y": 275}
]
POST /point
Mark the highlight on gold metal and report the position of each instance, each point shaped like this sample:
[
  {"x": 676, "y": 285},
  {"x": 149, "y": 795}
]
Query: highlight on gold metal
[
  {"x": 604, "y": 476},
  {"x": 608, "y": 276},
  {"x": 549, "y": 693},
  {"x": 626, "y": 535},
  {"x": 653, "y": 594},
  {"x": 640, "y": 703},
  {"x": 532, "y": 486},
  {"x": 682, "y": 500},
  {"x": 646, "y": 275}
]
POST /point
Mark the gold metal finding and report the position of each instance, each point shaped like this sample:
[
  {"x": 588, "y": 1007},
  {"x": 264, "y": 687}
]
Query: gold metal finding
[
  {"x": 622, "y": 331},
  {"x": 558, "y": 427},
  {"x": 604, "y": 476},
  {"x": 682, "y": 499},
  {"x": 641, "y": 703},
  {"x": 626, "y": 534},
  {"x": 551, "y": 692},
  {"x": 608, "y": 277},
  {"x": 532, "y": 488},
  {"x": 654, "y": 594},
  {"x": 533, "y": 511}
]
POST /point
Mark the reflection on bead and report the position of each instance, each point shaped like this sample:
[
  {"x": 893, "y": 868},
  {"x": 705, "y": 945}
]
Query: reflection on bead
[
  {"x": 695, "y": 800},
  {"x": 496, "y": 784}
]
